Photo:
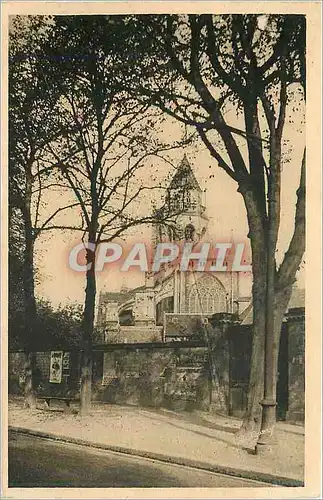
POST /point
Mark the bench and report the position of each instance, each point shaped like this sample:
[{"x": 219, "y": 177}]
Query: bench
[{"x": 65, "y": 399}]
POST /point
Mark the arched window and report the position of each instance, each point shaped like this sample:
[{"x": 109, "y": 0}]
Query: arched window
[
  {"x": 186, "y": 200},
  {"x": 207, "y": 295},
  {"x": 170, "y": 232},
  {"x": 189, "y": 232},
  {"x": 174, "y": 201},
  {"x": 193, "y": 204}
]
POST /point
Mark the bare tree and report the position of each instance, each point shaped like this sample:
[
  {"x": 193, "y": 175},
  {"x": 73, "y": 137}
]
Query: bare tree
[
  {"x": 108, "y": 138},
  {"x": 199, "y": 69},
  {"x": 31, "y": 128}
]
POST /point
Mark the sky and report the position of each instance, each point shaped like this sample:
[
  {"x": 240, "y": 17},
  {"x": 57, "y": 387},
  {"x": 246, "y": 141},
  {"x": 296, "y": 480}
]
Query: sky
[{"x": 224, "y": 207}]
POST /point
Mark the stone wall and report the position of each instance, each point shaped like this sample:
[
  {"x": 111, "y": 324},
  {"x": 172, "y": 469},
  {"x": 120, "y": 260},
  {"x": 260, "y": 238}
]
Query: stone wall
[
  {"x": 133, "y": 334},
  {"x": 296, "y": 365},
  {"x": 170, "y": 377},
  {"x": 156, "y": 375},
  {"x": 177, "y": 374},
  {"x": 231, "y": 353},
  {"x": 240, "y": 343},
  {"x": 173, "y": 377},
  {"x": 70, "y": 379},
  {"x": 219, "y": 339},
  {"x": 16, "y": 372}
]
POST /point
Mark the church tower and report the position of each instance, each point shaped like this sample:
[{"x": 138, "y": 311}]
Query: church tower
[
  {"x": 184, "y": 203},
  {"x": 187, "y": 221},
  {"x": 183, "y": 219}
]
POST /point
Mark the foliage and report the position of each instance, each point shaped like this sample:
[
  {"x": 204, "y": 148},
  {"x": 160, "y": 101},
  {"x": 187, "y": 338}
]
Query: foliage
[
  {"x": 55, "y": 328},
  {"x": 15, "y": 275},
  {"x": 33, "y": 117},
  {"x": 108, "y": 135}
]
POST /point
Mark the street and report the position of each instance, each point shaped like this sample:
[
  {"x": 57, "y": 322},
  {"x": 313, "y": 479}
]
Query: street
[{"x": 37, "y": 462}]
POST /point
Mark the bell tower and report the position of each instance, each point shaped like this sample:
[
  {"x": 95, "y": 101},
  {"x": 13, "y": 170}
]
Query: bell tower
[
  {"x": 185, "y": 214},
  {"x": 184, "y": 199}
]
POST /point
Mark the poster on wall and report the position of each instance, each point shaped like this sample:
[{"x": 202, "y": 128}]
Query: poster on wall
[
  {"x": 66, "y": 361},
  {"x": 56, "y": 367}
]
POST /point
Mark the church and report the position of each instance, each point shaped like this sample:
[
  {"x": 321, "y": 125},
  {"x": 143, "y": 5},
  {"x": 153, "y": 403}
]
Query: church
[{"x": 140, "y": 314}]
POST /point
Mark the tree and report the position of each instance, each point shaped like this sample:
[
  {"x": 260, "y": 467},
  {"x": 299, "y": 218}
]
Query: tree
[
  {"x": 198, "y": 69},
  {"x": 15, "y": 279},
  {"x": 58, "y": 328},
  {"x": 26, "y": 134},
  {"x": 108, "y": 136},
  {"x": 33, "y": 124}
]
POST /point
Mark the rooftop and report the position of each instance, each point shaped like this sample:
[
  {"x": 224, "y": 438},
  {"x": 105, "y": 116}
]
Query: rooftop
[
  {"x": 297, "y": 300},
  {"x": 184, "y": 177}
]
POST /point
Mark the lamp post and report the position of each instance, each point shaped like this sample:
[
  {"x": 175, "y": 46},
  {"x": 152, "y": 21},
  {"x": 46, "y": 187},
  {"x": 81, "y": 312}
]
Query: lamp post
[{"x": 269, "y": 403}]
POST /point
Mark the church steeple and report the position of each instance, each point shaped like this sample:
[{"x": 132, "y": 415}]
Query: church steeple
[
  {"x": 184, "y": 209},
  {"x": 184, "y": 193},
  {"x": 184, "y": 177},
  {"x": 184, "y": 200}
]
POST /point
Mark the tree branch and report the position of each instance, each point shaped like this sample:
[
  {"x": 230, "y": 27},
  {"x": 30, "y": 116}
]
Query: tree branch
[
  {"x": 293, "y": 257},
  {"x": 216, "y": 155},
  {"x": 211, "y": 51},
  {"x": 52, "y": 216}
]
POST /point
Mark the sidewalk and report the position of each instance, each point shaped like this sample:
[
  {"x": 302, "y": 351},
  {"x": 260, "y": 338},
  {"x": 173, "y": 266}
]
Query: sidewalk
[{"x": 189, "y": 438}]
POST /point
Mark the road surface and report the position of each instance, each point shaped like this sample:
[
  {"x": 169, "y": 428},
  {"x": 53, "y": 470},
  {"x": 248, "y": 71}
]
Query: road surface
[{"x": 36, "y": 462}]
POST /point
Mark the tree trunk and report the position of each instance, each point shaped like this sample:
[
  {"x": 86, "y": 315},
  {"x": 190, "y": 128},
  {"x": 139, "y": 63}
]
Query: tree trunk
[
  {"x": 29, "y": 369},
  {"x": 252, "y": 420},
  {"x": 88, "y": 327},
  {"x": 249, "y": 430},
  {"x": 269, "y": 402},
  {"x": 30, "y": 315}
]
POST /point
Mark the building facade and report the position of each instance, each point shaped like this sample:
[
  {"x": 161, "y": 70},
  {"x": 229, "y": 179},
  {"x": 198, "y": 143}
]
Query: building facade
[{"x": 124, "y": 315}]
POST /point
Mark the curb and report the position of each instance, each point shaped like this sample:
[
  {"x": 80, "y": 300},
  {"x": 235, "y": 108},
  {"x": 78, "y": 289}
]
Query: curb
[{"x": 228, "y": 471}]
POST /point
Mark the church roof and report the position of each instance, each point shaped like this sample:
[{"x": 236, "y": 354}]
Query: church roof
[
  {"x": 113, "y": 296},
  {"x": 122, "y": 296},
  {"x": 184, "y": 177},
  {"x": 297, "y": 300}
]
